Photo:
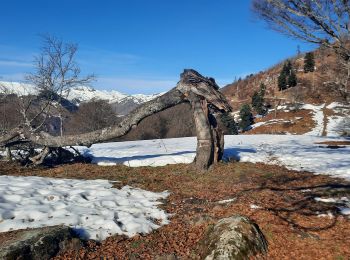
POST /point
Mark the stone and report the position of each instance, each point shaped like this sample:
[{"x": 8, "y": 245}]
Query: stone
[
  {"x": 236, "y": 237},
  {"x": 38, "y": 243},
  {"x": 167, "y": 257}
]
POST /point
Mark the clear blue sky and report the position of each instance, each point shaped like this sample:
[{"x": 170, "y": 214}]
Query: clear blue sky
[{"x": 141, "y": 46}]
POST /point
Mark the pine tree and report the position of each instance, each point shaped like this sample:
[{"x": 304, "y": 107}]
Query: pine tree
[
  {"x": 229, "y": 122},
  {"x": 258, "y": 100},
  {"x": 292, "y": 79},
  {"x": 282, "y": 81},
  {"x": 287, "y": 77},
  {"x": 309, "y": 62},
  {"x": 246, "y": 117}
]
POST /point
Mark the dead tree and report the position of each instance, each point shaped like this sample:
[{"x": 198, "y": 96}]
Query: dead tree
[{"x": 201, "y": 92}]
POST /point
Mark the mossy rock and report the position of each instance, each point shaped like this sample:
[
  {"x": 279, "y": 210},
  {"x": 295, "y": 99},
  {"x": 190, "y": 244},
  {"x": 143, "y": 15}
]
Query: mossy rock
[
  {"x": 38, "y": 243},
  {"x": 236, "y": 237}
]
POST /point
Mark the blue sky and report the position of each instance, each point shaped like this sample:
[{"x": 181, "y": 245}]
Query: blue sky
[{"x": 141, "y": 46}]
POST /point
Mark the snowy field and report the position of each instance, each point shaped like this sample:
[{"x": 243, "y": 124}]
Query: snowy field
[
  {"x": 297, "y": 152},
  {"x": 92, "y": 208}
]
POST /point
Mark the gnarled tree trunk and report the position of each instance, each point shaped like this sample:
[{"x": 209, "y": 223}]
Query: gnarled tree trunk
[{"x": 200, "y": 91}]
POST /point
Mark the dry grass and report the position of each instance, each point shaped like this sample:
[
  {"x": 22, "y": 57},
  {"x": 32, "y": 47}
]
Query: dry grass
[{"x": 287, "y": 217}]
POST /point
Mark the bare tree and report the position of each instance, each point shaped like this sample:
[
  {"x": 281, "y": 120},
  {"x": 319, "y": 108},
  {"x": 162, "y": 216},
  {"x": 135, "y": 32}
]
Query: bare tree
[
  {"x": 56, "y": 72},
  {"x": 91, "y": 116},
  {"x": 322, "y": 22}
]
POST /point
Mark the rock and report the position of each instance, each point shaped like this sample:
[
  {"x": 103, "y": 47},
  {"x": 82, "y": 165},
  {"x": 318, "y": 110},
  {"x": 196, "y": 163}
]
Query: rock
[
  {"x": 38, "y": 243},
  {"x": 166, "y": 257},
  {"x": 235, "y": 237}
]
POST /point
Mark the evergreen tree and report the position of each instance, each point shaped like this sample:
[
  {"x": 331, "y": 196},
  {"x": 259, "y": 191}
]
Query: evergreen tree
[
  {"x": 229, "y": 122},
  {"x": 246, "y": 117},
  {"x": 258, "y": 100},
  {"x": 282, "y": 81},
  {"x": 309, "y": 62},
  {"x": 292, "y": 79},
  {"x": 287, "y": 77}
]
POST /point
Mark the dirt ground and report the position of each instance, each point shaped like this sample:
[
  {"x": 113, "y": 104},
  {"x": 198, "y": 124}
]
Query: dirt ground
[{"x": 284, "y": 208}]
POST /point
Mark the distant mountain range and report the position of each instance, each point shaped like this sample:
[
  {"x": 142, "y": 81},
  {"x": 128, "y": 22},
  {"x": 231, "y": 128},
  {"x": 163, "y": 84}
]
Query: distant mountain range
[{"x": 122, "y": 103}]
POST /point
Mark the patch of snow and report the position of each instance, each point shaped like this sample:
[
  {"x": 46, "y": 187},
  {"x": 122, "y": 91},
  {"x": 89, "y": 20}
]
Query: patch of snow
[
  {"x": 270, "y": 122},
  {"x": 332, "y": 200},
  {"x": 318, "y": 117},
  {"x": 92, "y": 208},
  {"x": 335, "y": 125},
  {"x": 253, "y": 206},
  {"x": 328, "y": 200},
  {"x": 328, "y": 215},
  {"x": 334, "y": 105},
  {"x": 344, "y": 210},
  {"x": 296, "y": 152},
  {"x": 226, "y": 201}
]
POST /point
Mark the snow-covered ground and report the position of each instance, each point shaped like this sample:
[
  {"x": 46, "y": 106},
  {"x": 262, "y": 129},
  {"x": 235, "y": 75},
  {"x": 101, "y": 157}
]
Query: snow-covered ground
[
  {"x": 297, "y": 152},
  {"x": 318, "y": 117},
  {"x": 92, "y": 208},
  {"x": 339, "y": 123}
]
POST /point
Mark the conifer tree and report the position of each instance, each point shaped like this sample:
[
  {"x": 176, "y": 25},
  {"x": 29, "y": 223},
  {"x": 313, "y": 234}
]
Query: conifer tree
[
  {"x": 282, "y": 80},
  {"x": 258, "y": 100},
  {"x": 246, "y": 117},
  {"x": 230, "y": 123},
  {"x": 287, "y": 77},
  {"x": 292, "y": 79},
  {"x": 309, "y": 62}
]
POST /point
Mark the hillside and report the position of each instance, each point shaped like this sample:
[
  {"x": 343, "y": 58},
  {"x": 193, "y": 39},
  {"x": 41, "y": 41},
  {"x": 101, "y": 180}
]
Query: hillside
[{"x": 314, "y": 103}]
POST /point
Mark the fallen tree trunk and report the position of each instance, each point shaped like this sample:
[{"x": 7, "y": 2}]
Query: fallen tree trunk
[{"x": 200, "y": 91}]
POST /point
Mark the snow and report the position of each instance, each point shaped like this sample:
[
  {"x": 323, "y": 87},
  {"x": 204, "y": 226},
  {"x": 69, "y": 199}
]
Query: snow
[
  {"x": 334, "y": 125},
  {"x": 337, "y": 124},
  {"x": 296, "y": 152},
  {"x": 270, "y": 122},
  {"x": 318, "y": 117},
  {"x": 226, "y": 201},
  {"x": 343, "y": 204},
  {"x": 143, "y": 153},
  {"x": 20, "y": 89},
  {"x": 253, "y": 206},
  {"x": 78, "y": 94},
  {"x": 92, "y": 208}
]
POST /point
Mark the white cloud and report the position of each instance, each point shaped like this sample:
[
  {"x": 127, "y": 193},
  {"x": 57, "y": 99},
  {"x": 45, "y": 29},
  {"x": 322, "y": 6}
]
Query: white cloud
[{"x": 15, "y": 63}]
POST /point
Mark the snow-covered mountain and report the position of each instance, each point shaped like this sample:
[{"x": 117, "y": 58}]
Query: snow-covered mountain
[
  {"x": 84, "y": 94},
  {"x": 122, "y": 103}
]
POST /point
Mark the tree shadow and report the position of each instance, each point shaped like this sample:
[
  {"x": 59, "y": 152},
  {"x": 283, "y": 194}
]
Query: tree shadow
[
  {"x": 121, "y": 160},
  {"x": 295, "y": 199},
  {"x": 234, "y": 153}
]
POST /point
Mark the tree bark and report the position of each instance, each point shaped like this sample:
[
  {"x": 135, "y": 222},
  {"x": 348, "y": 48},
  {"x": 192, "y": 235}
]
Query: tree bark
[
  {"x": 8, "y": 154},
  {"x": 205, "y": 142}
]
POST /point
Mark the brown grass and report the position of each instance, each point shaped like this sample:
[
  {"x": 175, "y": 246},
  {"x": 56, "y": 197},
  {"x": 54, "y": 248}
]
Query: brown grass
[{"x": 287, "y": 217}]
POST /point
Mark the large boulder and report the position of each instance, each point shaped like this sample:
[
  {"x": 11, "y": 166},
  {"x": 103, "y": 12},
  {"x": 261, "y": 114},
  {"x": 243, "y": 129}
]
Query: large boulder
[
  {"x": 38, "y": 243},
  {"x": 236, "y": 237}
]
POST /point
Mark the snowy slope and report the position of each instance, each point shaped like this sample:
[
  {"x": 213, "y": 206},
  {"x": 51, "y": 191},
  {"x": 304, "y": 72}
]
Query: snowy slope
[
  {"x": 297, "y": 152},
  {"x": 79, "y": 94},
  {"x": 92, "y": 208}
]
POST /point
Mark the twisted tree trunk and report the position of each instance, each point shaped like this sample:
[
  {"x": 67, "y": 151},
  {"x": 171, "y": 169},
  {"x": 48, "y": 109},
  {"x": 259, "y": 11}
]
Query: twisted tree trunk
[{"x": 200, "y": 91}]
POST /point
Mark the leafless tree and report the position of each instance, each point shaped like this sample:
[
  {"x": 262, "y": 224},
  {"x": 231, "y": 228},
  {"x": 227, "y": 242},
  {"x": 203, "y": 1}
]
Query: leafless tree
[
  {"x": 322, "y": 22},
  {"x": 91, "y": 116},
  {"x": 56, "y": 72}
]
